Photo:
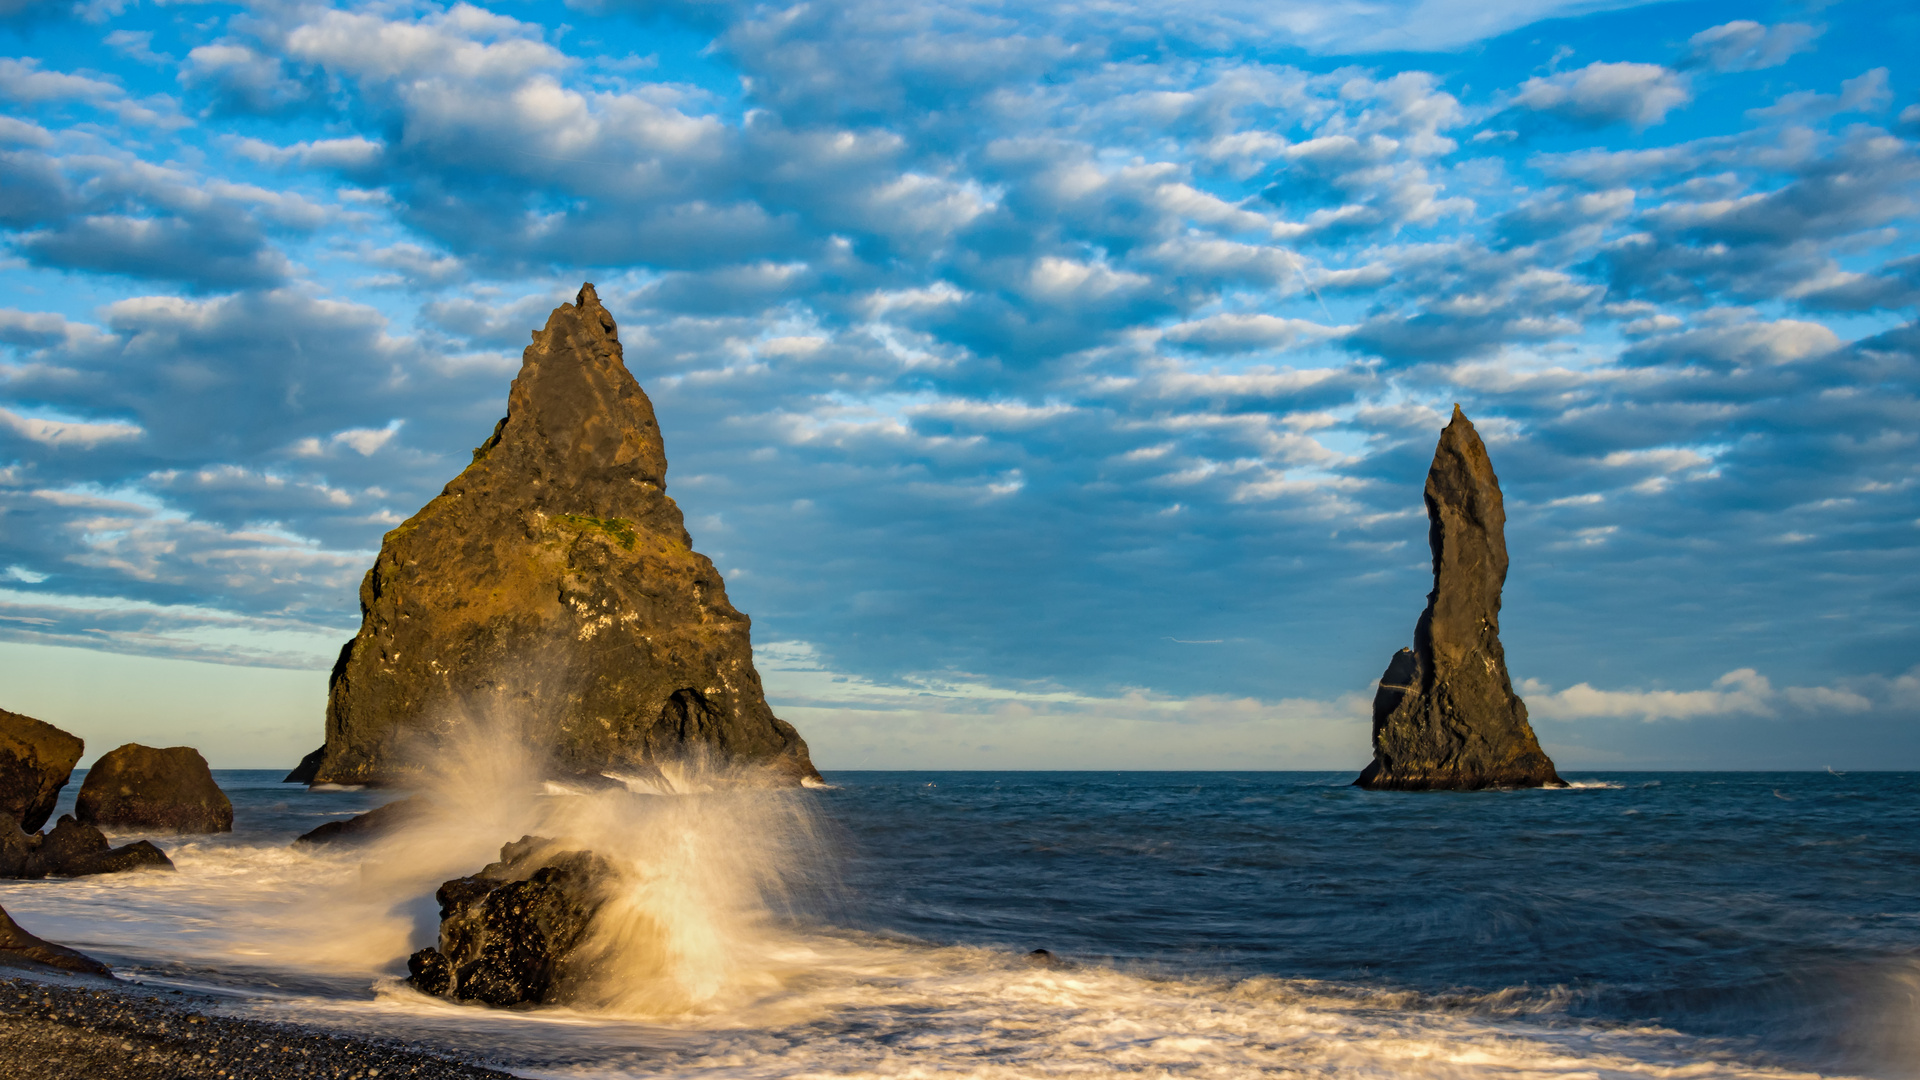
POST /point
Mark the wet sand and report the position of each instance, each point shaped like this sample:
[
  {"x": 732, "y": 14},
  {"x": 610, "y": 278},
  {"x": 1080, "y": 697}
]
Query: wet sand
[{"x": 85, "y": 1028}]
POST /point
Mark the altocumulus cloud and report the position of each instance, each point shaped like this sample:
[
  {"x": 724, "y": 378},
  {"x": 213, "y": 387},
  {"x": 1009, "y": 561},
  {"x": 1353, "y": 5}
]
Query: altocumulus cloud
[{"x": 1041, "y": 378}]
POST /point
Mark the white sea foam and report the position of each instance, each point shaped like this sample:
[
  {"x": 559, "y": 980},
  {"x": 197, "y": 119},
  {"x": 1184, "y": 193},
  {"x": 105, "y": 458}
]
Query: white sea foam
[{"x": 848, "y": 1006}]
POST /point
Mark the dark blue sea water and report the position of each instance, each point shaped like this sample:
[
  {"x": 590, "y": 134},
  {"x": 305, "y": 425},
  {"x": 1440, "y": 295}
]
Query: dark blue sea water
[
  {"x": 1209, "y": 924},
  {"x": 1779, "y": 908}
]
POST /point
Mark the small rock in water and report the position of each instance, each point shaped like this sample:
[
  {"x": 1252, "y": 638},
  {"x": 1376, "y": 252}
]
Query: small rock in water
[
  {"x": 366, "y": 826},
  {"x": 145, "y": 787},
  {"x": 36, "y": 759},
  {"x": 1043, "y": 958},
  {"x": 511, "y": 934}
]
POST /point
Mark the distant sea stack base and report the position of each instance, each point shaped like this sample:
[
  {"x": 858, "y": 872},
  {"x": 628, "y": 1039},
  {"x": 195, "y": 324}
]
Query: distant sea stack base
[
  {"x": 553, "y": 584},
  {"x": 1446, "y": 717}
]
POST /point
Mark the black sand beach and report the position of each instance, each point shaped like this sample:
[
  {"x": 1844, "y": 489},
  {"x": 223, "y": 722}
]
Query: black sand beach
[{"x": 92, "y": 1029}]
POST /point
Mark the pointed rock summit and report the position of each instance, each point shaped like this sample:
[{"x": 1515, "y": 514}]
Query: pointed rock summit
[
  {"x": 553, "y": 585},
  {"x": 1446, "y": 717}
]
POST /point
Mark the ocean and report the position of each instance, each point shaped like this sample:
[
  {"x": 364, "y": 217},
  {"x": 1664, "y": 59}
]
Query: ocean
[{"x": 1684, "y": 925}]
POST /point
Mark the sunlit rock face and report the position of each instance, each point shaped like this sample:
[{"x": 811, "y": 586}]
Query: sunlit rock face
[
  {"x": 142, "y": 788},
  {"x": 553, "y": 586},
  {"x": 36, "y": 760},
  {"x": 1446, "y": 716}
]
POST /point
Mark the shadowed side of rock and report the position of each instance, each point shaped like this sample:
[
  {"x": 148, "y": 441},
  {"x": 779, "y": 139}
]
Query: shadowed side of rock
[
  {"x": 1445, "y": 716},
  {"x": 553, "y": 583},
  {"x": 36, "y": 761}
]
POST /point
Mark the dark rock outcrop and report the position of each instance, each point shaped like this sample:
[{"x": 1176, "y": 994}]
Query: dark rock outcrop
[
  {"x": 71, "y": 849},
  {"x": 36, "y": 760},
  {"x": 1446, "y": 717},
  {"x": 511, "y": 934},
  {"x": 370, "y": 825},
  {"x": 21, "y": 949},
  {"x": 143, "y": 787},
  {"x": 308, "y": 768},
  {"x": 554, "y": 581}
]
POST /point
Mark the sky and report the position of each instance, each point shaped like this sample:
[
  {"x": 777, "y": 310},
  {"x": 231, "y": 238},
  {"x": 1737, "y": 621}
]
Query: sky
[{"x": 1052, "y": 383}]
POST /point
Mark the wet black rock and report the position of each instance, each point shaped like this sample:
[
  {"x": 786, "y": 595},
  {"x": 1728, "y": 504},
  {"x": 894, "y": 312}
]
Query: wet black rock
[
  {"x": 513, "y": 933},
  {"x": 144, "y": 787},
  {"x": 71, "y": 849},
  {"x": 36, "y": 760},
  {"x": 430, "y": 972},
  {"x": 23, "y": 950},
  {"x": 368, "y": 826},
  {"x": 1445, "y": 716}
]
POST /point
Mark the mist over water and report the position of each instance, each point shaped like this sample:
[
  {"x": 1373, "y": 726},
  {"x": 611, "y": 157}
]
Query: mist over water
[{"x": 1683, "y": 925}]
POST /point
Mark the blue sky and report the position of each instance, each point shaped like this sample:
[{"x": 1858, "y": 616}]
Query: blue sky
[{"x": 1052, "y": 383}]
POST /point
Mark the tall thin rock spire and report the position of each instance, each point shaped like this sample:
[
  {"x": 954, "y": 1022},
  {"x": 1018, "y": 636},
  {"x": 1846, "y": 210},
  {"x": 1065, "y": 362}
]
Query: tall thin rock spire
[{"x": 1446, "y": 716}]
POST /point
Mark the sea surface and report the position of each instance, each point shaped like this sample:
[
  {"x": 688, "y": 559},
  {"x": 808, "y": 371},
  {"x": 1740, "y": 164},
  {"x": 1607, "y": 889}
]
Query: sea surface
[{"x": 1685, "y": 925}]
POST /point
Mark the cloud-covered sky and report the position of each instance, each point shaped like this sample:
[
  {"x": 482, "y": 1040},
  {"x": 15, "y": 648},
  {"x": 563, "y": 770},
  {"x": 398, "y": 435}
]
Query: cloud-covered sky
[{"x": 1053, "y": 383}]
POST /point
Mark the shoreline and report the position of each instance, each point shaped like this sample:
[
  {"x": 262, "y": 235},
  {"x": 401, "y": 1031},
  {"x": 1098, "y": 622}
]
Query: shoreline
[{"x": 58, "y": 1027}]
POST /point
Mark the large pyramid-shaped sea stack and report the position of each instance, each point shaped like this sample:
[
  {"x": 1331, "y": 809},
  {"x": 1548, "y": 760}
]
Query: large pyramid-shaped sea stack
[
  {"x": 553, "y": 581},
  {"x": 1446, "y": 716}
]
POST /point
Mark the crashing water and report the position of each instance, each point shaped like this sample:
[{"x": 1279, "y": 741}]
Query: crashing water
[{"x": 1215, "y": 925}]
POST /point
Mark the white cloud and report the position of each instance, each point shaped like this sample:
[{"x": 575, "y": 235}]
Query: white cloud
[
  {"x": 1768, "y": 343},
  {"x": 352, "y": 152},
  {"x": 1745, "y": 45},
  {"x": 1602, "y": 93},
  {"x": 1867, "y": 92},
  {"x": 64, "y": 433},
  {"x": 25, "y": 82},
  {"x": 1743, "y": 692},
  {"x": 1236, "y": 332}
]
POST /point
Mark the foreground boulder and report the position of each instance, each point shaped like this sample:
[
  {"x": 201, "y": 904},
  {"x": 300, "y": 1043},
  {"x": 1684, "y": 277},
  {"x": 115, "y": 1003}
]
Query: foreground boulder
[
  {"x": 162, "y": 789},
  {"x": 1446, "y": 716},
  {"x": 512, "y": 933},
  {"x": 36, "y": 760},
  {"x": 554, "y": 581},
  {"x": 71, "y": 849},
  {"x": 21, "y": 949}
]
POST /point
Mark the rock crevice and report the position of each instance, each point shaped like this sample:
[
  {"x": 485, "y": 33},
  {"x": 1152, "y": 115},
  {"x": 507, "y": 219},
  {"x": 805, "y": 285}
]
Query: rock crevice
[{"x": 1445, "y": 716}]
